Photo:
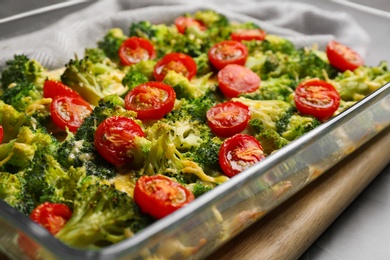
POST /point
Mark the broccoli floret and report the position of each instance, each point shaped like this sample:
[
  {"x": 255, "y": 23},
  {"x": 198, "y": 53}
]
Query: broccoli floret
[
  {"x": 166, "y": 39},
  {"x": 185, "y": 88},
  {"x": 293, "y": 126},
  {"x": 199, "y": 188},
  {"x": 47, "y": 180},
  {"x": 193, "y": 109},
  {"x": 93, "y": 81},
  {"x": 22, "y": 69},
  {"x": 111, "y": 43},
  {"x": 164, "y": 158},
  {"x": 11, "y": 120},
  {"x": 13, "y": 192},
  {"x": 269, "y": 138},
  {"x": 207, "y": 154},
  {"x": 25, "y": 148},
  {"x": 355, "y": 85},
  {"x": 21, "y": 95},
  {"x": 280, "y": 88},
  {"x": 211, "y": 18},
  {"x": 101, "y": 216},
  {"x": 203, "y": 65},
  {"x": 277, "y": 44},
  {"x": 269, "y": 112},
  {"x": 134, "y": 78}
]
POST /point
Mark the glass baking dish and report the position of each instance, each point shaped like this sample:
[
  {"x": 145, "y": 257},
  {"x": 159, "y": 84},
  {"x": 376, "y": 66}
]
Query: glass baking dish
[{"x": 200, "y": 228}]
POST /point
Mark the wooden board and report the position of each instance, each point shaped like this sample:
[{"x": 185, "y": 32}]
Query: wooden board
[{"x": 287, "y": 231}]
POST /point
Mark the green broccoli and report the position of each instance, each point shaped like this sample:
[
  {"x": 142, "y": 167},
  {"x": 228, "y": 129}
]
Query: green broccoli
[
  {"x": 200, "y": 188},
  {"x": 13, "y": 192},
  {"x": 111, "y": 43},
  {"x": 47, "y": 180},
  {"x": 101, "y": 216},
  {"x": 12, "y": 120},
  {"x": 166, "y": 39},
  {"x": 203, "y": 65},
  {"x": 26, "y": 146},
  {"x": 22, "y": 69},
  {"x": 269, "y": 138},
  {"x": 281, "y": 88},
  {"x": 293, "y": 125},
  {"x": 184, "y": 88},
  {"x": 269, "y": 112},
  {"x": 93, "y": 81},
  {"x": 21, "y": 95},
  {"x": 355, "y": 85},
  {"x": 134, "y": 78}
]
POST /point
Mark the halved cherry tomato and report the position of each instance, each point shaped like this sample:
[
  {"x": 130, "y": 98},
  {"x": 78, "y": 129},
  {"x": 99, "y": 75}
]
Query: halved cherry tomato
[
  {"x": 135, "y": 49},
  {"x": 151, "y": 100},
  {"x": 52, "y": 216},
  {"x": 179, "y": 62},
  {"x": 69, "y": 112},
  {"x": 248, "y": 35},
  {"x": 317, "y": 98},
  {"x": 182, "y": 23},
  {"x": 227, "y": 52},
  {"x": 159, "y": 196},
  {"x": 228, "y": 118},
  {"x": 238, "y": 153},
  {"x": 1, "y": 134},
  {"x": 237, "y": 79},
  {"x": 342, "y": 57},
  {"x": 53, "y": 88},
  {"x": 114, "y": 139}
]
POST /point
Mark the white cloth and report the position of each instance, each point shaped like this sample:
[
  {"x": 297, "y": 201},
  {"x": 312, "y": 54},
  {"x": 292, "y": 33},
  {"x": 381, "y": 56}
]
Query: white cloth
[{"x": 303, "y": 24}]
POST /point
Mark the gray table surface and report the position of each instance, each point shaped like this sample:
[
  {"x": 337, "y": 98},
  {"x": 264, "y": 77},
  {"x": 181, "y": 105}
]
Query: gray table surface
[{"x": 363, "y": 229}]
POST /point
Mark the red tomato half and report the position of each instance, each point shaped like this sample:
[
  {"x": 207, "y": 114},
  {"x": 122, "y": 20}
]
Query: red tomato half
[
  {"x": 228, "y": 118},
  {"x": 159, "y": 196},
  {"x": 114, "y": 139},
  {"x": 179, "y": 62},
  {"x": 151, "y": 100},
  {"x": 316, "y": 98},
  {"x": 227, "y": 52},
  {"x": 342, "y": 57},
  {"x": 238, "y": 153},
  {"x": 53, "y": 88},
  {"x": 237, "y": 79},
  {"x": 182, "y": 23},
  {"x": 135, "y": 49},
  {"x": 248, "y": 35},
  {"x": 69, "y": 112},
  {"x": 1, "y": 134},
  {"x": 52, "y": 216}
]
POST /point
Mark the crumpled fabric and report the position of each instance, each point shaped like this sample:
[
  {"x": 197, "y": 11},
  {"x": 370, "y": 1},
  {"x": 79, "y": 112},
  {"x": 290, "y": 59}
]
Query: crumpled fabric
[{"x": 303, "y": 24}]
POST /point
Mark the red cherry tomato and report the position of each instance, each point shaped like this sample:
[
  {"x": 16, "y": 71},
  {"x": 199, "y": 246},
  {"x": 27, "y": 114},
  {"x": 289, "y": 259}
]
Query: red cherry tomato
[
  {"x": 317, "y": 98},
  {"x": 237, "y": 79},
  {"x": 135, "y": 49},
  {"x": 179, "y": 62},
  {"x": 228, "y": 118},
  {"x": 227, "y": 52},
  {"x": 1, "y": 134},
  {"x": 238, "y": 153},
  {"x": 248, "y": 35},
  {"x": 151, "y": 100},
  {"x": 69, "y": 112},
  {"x": 53, "y": 88},
  {"x": 342, "y": 57},
  {"x": 52, "y": 216},
  {"x": 182, "y": 23},
  {"x": 114, "y": 139},
  {"x": 159, "y": 196}
]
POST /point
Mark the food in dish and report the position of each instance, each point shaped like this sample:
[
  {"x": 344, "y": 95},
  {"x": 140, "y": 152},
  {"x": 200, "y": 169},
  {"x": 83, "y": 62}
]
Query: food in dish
[{"x": 146, "y": 122}]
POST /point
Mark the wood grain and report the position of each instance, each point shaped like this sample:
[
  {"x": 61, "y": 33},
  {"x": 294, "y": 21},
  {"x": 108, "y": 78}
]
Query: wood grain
[{"x": 290, "y": 229}]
